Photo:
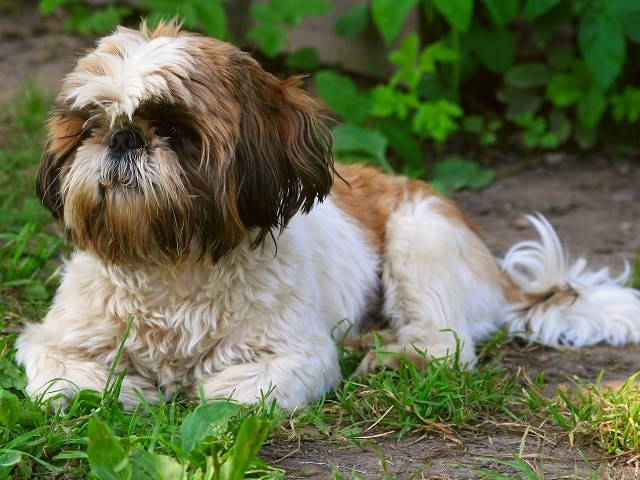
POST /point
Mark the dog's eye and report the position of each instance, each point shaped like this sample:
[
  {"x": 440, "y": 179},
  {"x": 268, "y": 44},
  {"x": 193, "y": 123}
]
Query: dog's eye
[{"x": 168, "y": 130}]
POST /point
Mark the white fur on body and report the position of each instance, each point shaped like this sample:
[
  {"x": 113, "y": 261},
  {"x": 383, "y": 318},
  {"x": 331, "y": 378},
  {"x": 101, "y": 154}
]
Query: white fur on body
[{"x": 254, "y": 320}]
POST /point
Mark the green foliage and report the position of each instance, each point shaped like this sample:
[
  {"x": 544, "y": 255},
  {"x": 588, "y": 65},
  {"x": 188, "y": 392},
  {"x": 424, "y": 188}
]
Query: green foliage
[
  {"x": 635, "y": 275},
  {"x": 93, "y": 434},
  {"x": 209, "y": 15},
  {"x": 457, "y": 13},
  {"x": 22, "y": 256},
  {"x": 573, "y": 82},
  {"x": 85, "y": 20},
  {"x": 389, "y": 15},
  {"x": 113, "y": 444},
  {"x": 401, "y": 115},
  {"x": 455, "y": 173},
  {"x": 354, "y": 21},
  {"x": 274, "y": 18},
  {"x": 215, "y": 440},
  {"x": 26, "y": 250},
  {"x": 445, "y": 393},
  {"x": 609, "y": 416}
]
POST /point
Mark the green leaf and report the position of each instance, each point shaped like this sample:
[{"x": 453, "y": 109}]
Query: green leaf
[
  {"x": 455, "y": 173},
  {"x": 251, "y": 435},
  {"x": 431, "y": 88},
  {"x": 457, "y": 13},
  {"x": 47, "y": 7},
  {"x": 635, "y": 274},
  {"x": 269, "y": 34},
  {"x": 9, "y": 409},
  {"x": 206, "y": 420},
  {"x": 270, "y": 38},
  {"x": 436, "y": 52},
  {"x": 11, "y": 376},
  {"x": 343, "y": 96},
  {"x": 590, "y": 108},
  {"x": 544, "y": 27},
  {"x": 560, "y": 125},
  {"x": 9, "y": 458},
  {"x": 37, "y": 292},
  {"x": 151, "y": 466},
  {"x": 353, "y": 21},
  {"x": 560, "y": 56},
  {"x": 502, "y": 11},
  {"x": 406, "y": 59},
  {"x": 527, "y": 75},
  {"x": 292, "y": 11},
  {"x": 496, "y": 47},
  {"x": 473, "y": 124},
  {"x": 213, "y": 17},
  {"x": 206, "y": 14},
  {"x": 305, "y": 58},
  {"x": 534, "y": 8},
  {"x": 628, "y": 14},
  {"x": 437, "y": 119},
  {"x": 626, "y": 106},
  {"x": 401, "y": 141},
  {"x": 564, "y": 90},
  {"x": 88, "y": 21},
  {"x": 585, "y": 138},
  {"x": 353, "y": 141},
  {"x": 107, "y": 457},
  {"x": 389, "y": 16},
  {"x": 388, "y": 101},
  {"x": 602, "y": 43}
]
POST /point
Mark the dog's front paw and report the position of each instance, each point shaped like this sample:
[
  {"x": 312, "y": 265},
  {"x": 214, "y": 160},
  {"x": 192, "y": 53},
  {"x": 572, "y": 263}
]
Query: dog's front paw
[
  {"x": 368, "y": 340},
  {"x": 393, "y": 356}
]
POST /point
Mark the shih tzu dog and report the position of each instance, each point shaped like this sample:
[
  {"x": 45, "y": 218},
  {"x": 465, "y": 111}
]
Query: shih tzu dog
[{"x": 202, "y": 200}]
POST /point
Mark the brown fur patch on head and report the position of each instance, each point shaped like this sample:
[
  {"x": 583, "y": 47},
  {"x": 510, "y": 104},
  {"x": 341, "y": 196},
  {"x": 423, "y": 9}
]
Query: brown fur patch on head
[
  {"x": 229, "y": 151},
  {"x": 65, "y": 135},
  {"x": 283, "y": 161}
]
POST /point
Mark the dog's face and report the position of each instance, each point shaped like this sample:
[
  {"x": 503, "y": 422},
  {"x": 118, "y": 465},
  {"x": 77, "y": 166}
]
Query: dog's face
[{"x": 164, "y": 144}]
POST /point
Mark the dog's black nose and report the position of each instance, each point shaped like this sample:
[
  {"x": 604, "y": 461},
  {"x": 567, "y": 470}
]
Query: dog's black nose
[{"x": 125, "y": 140}]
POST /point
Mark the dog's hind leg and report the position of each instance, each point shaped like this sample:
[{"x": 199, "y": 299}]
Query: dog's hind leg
[{"x": 442, "y": 287}]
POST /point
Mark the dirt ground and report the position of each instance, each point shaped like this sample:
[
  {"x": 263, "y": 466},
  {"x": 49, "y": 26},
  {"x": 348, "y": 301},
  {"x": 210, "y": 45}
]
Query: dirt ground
[{"x": 593, "y": 201}]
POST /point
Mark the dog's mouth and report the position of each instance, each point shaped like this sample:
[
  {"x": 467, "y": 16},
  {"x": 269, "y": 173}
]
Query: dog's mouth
[
  {"x": 124, "y": 164},
  {"x": 123, "y": 175}
]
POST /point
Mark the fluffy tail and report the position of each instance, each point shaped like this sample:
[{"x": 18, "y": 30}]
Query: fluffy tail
[{"x": 562, "y": 302}]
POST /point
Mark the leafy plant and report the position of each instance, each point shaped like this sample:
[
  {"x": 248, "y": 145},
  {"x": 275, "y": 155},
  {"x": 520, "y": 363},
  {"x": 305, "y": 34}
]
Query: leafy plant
[
  {"x": 209, "y": 15},
  {"x": 401, "y": 115},
  {"x": 608, "y": 416},
  {"x": 86, "y": 20},
  {"x": 274, "y": 20},
  {"x": 211, "y": 442}
]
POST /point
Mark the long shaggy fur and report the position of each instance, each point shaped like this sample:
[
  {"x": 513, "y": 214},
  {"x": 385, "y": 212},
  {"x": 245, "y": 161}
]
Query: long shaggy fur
[{"x": 202, "y": 200}]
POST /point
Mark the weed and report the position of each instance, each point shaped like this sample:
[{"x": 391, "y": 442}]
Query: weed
[{"x": 608, "y": 416}]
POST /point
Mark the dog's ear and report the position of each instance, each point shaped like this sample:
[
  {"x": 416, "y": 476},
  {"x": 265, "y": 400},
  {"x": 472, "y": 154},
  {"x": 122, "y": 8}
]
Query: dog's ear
[
  {"x": 283, "y": 161},
  {"x": 65, "y": 134}
]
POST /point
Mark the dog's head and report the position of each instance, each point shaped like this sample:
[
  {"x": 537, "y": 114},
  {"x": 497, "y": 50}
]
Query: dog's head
[{"x": 165, "y": 143}]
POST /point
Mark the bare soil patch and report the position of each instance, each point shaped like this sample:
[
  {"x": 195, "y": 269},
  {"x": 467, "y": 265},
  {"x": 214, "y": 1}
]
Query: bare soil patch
[{"x": 593, "y": 201}]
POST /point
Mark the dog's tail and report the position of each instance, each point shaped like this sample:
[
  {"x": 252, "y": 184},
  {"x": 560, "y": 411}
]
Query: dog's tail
[{"x": 563, "y": 303}]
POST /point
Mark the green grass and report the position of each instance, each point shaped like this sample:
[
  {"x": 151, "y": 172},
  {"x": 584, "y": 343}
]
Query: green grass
[
  {"x": 28, "y": 242},
  {"x": 93, "y": 436}
]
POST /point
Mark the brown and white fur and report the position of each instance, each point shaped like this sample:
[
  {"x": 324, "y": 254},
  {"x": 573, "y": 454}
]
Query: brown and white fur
[{"x": 201, "y": 197}]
